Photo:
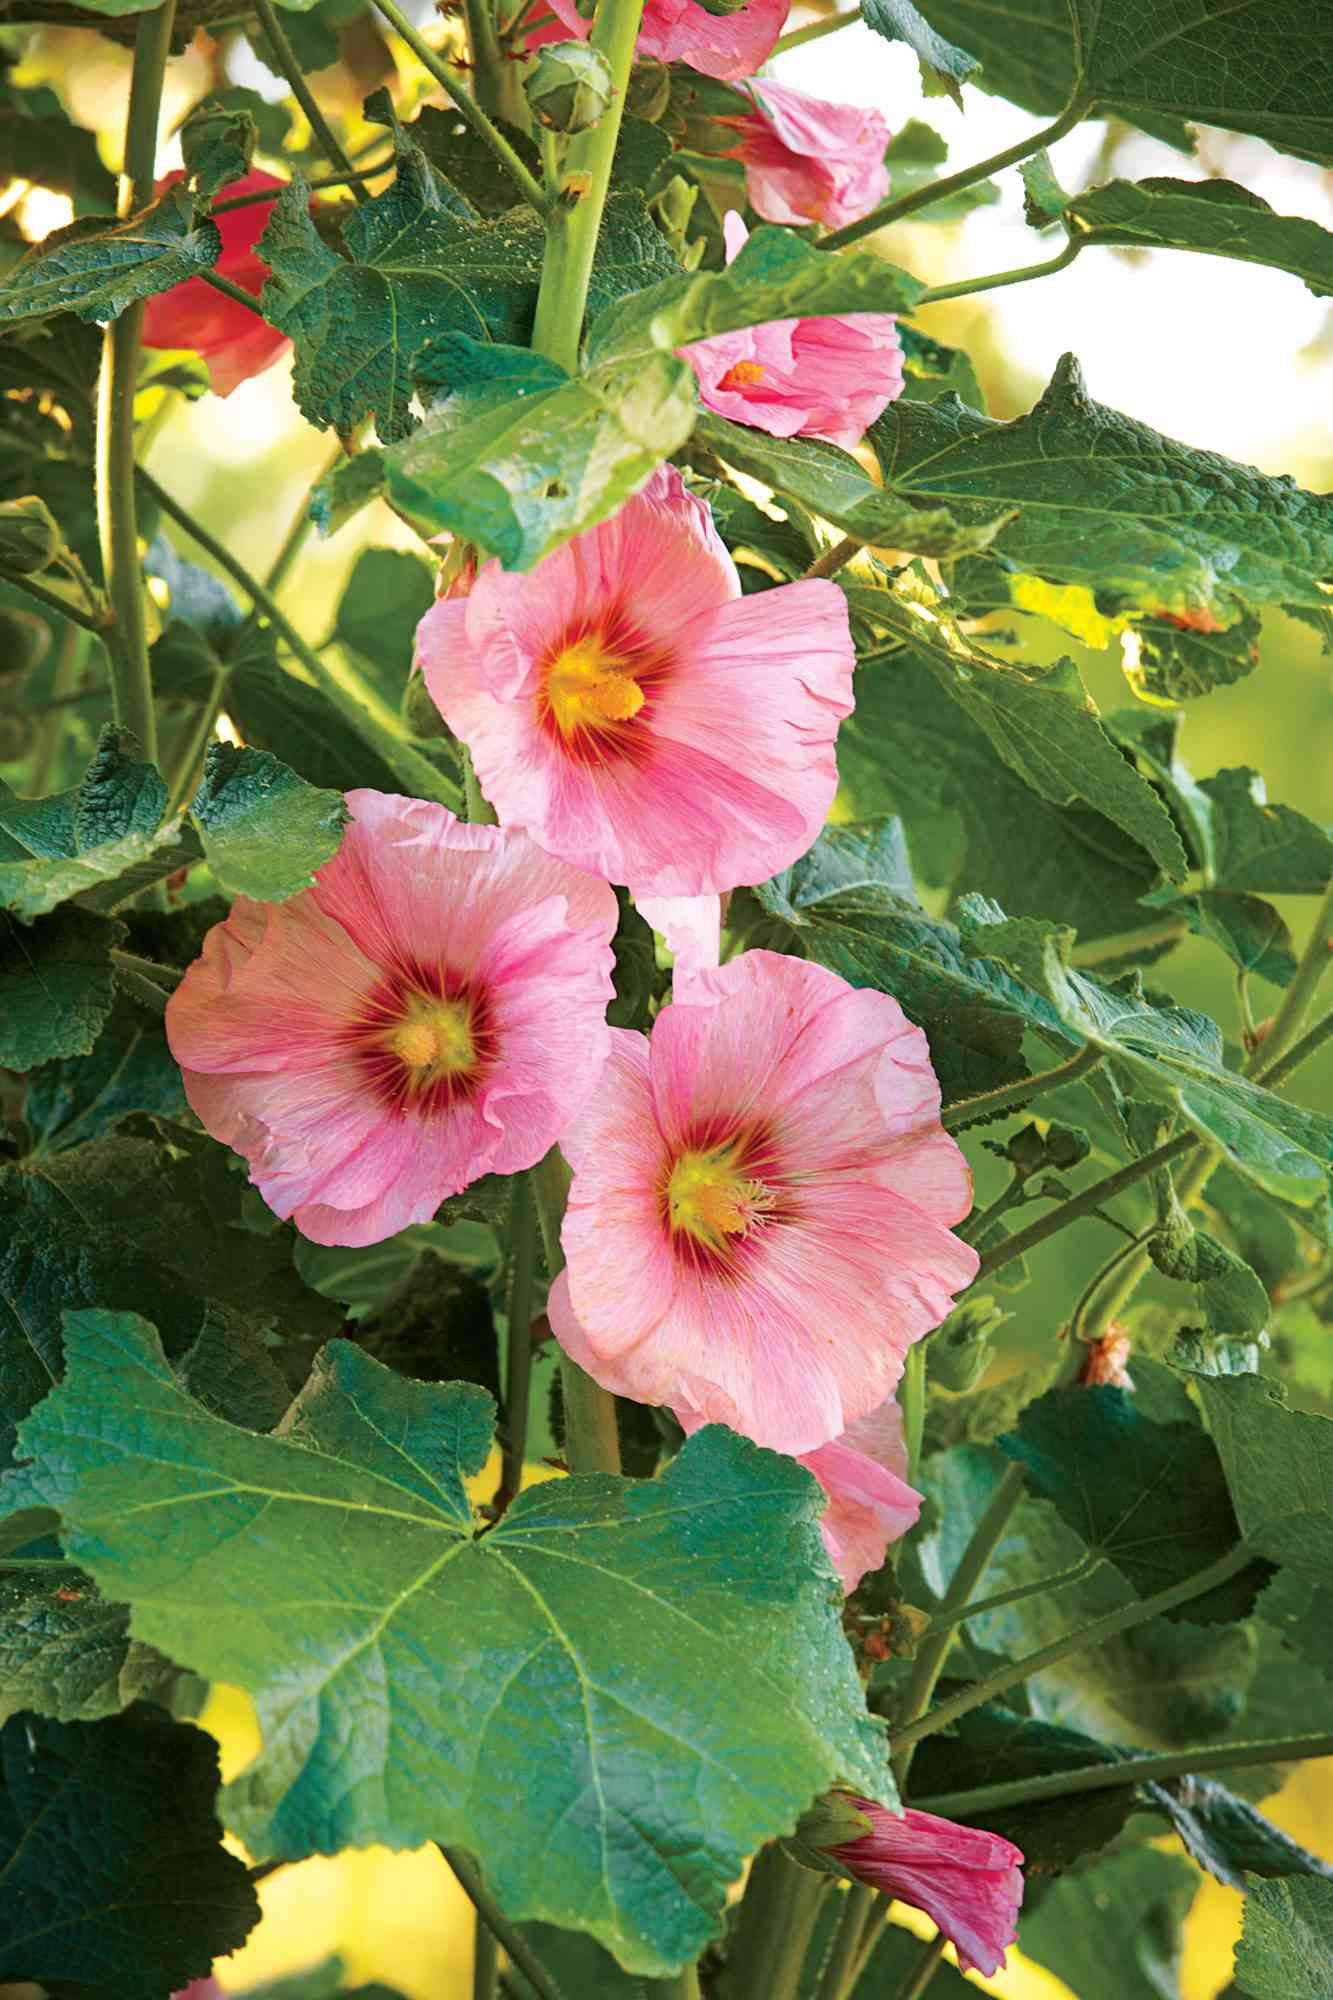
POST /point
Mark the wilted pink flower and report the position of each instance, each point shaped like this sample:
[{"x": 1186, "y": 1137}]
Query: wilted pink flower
[
  {"x": 432, "y": 1010},
  {"x": 638, "y": 716},
  {"x": 808, "y": 161},
  {"x": 757, "y": 1227},
  {"x": 722, "y": 45},
  {"x": 864, "y": 1476},
  {"x": 234, "y": 343},
  {"x": 969, "y": 1882},
  {"x": 825, "y": 378}
]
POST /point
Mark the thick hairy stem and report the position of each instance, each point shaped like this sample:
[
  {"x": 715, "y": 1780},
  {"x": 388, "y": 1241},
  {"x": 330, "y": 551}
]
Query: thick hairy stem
[
  {"x": 773, "y": 1929},
  {"x": 816, "y": 31},
  {"x": 1296, "y": 1000},
  {"x": 923, "y": 197},
  {"x": 485, "y": 1960},
  {"x": 572, "y": 232},
  {"x": 1085, "y": 1203},
  {"x": 592, "y": 1442},
  {"x": 844, "y": 1959},
  {"x": 284, "y": 59},
  {"x": 518, "y": 1371},
  {"x": 1129, "y": 1771},
  {"x": 836, "y": 558},
  {"x": 1042, "y": 1586},
  {"x": 926, "y": 1967},
  {"x": 117, "y": 515},
  {"x": 1011, "y": 1096}
]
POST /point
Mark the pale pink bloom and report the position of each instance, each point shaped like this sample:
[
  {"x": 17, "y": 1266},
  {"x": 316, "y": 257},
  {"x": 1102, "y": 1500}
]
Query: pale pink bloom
[
  {"x": 969, "y": 1882},
  {"x": 810, "y": 161},
  {"x": 432, "y": 1010},
  {"x": 692, "y": 928},
  {"x": 826, "y": 378},
  {"x": 758, "y": 1224},
  {"x": 729, "y": 46},
  {"x": 864, "y": 1476},
  {"x": 635, "y": 713}
]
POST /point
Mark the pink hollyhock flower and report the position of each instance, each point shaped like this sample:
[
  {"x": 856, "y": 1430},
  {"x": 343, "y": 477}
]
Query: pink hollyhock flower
[
  {"x": 825, "y": 378},
  {"x": 758, "y": 1224},
  {"x": 692, "y": 928},
  {"x": 728, "y": 46},
  {"x": 236, "y": 344},
  {"x": 635, "y": 713},
  {"x": 969, "y": 1882},
  {"x": 808, "y": 161},
  {"x": 864, "y": 1476},
  {"x": 430, "y": 1011}
]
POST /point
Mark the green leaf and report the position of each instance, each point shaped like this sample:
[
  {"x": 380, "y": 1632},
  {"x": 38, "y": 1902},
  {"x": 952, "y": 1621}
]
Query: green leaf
[
  {"x": 116, "y": 1880},
  {"x": 899, "y": 21},
  {"x": 436, "y": 1651},
  {"x": 218, "y": 143},
  {"x": 1286, "y": 1948},
  {"x": 130, "y": 1069},
  {"x": 96, "y": 270},
  {"x": 1302, "y": 1613},
  {"x": 384, "y": 599},
  {"x": 1217, "y": 217},
  {"x": 1115, "y": 1928},
  {"x": 102, "y": 841},
  {"x": 776, "y": 276},
  {"x": 830, "y": 483},
  {"x": 527, "y": 456},
  {"x": 1102, "y": 500},
  {"x": 1176, "y": 663},
  {"x": 1279, "y": 1466},
  {"x": 265, "y": 831},
  {"x": 1175, "y": 1057},
  {"x": 65, "y": 1653},
  {"x": 1093, "y": 1454},
  {"x": 1249, "y": 930},
  {"x": 277, "y": 712},
  {"x": 1231, "y": 1297},
  {"x": 360, "y": 1279},
  {"x": 931, "y": 369},
  {"x": 1254, "y": 66},
  {"x": 1228, "y": 1836},
  {"x": 579, "y": 1965},
  {"x": 419, "y": 264},
  {"x": 55, "y": 986},
  {"x": 463, "y": 157},
  {"x": 1258, "y": 846}
]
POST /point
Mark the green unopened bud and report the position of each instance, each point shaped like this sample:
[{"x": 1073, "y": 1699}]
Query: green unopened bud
[
  {"x": 671, "y": 210},
  {"x": 29, "y": 537},
  {"x": 568, "y": 87},
  {"x": 960, "y": 1352},
  {"x": 24, "y": 639}
]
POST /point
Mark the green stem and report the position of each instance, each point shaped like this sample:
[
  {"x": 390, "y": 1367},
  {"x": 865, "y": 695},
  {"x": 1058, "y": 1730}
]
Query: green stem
[
  {"x": 1296, "y": 1000},
  {"x": 840, "y": 1967},
  {"x": 490, "y": 1913},
  {"x": 816, "y": 31},
  {"x": 147, "y": 968},
  {"x": 1043, "y": 1586},
  {"x": 685, "y": 1986},
  {"x": 1129, "y": 1771},
  {"x": 53, "y": 601},
  {"x": 415, "y": 772},
  {"x": 475, "y": 803},
  {"x": 981, "y": 1219},
  {"x": 1084, "y": 1305},
  {"x": 837, "y": 557},
  {"x": 64, "y": 692},
  {"x": 592, "y": 1441},
  {"x": 284, "y": 58},
  {"x": 117, "y": 516},
  {"x": 1122, "y": 1620},
  {"x": 194, "y": 747},
  {"x": 1007, "y": 1096},
  {"x": 1080, "y": 1205},
  {"x": 145, "y": 991},
  {"x": 1128, "y": 944},
  {"x": 531, "y": 189},
  {"x": 518, "y": 1372},
  {"x": 995, "y": 281},
  {"x": 18, "y": 1563},
  {"x": 975, "y": 1560},
  {"x": 912, "y": 1402},
  {"x": 571, "y": 233},
  {"x": 370, "y": 172},
  {"x": 1299, "y": 1052},
  {"x": 496, "y": 86},
  {"x": 923, "y": 197},
  {"x": 485, "y": 1960},
  {"x": 773, "y": 1929},
  {"x": 926, "y": 1967},
  {"x": 237, "y": 293}
]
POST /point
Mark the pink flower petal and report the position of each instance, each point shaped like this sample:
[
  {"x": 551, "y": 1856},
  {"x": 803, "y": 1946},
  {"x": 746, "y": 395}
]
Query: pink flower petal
[
  {"x": 810, "y": 161},
  {"x": 728, "y": 46},
  {"x": 968, "y": 1881}
]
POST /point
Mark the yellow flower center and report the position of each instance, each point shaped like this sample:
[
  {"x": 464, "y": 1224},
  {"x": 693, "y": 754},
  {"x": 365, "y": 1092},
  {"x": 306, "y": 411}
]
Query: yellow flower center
[
  {"x": 587, "y": 686},
  {"x": 742, "y": 374},
  {"x": 434, "y": 1040},
  {"x": 710, "y": 1198}
]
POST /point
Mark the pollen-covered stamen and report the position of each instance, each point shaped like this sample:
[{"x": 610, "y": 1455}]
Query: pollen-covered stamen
[
  {"x": 589, "y": 686},
  {"x": 743, "y": 375},
  {"x": 433, "y": 1040},
  {"x": 710, "y": 1197}
]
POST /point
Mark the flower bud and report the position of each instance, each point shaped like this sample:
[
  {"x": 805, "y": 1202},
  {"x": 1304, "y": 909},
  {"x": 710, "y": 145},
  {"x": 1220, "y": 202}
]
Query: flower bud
[
  {"x": 568, "y": 87},
  {"x": 723, "y": 6},
  {"x": 29, "y": 536}
]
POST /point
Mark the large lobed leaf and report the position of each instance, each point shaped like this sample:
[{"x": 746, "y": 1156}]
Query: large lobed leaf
[
  {"x": 1217, "y": 217},
  {"x": 410, "y": 1675},
  {"x": 86, "y": 841},
  {"x": 96, "y": 271},
  {"x": 1258, "y": 66},
  {"x": 1279, "y": 1466},
  {"x": 1105, "y": 501}
]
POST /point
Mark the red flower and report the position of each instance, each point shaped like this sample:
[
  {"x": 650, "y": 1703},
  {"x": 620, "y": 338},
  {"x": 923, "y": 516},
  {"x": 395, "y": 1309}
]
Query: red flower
[
  {"x": 236, "y": 344},
  {"x": 970, "y": 1882}
]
